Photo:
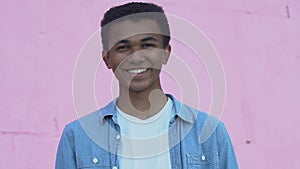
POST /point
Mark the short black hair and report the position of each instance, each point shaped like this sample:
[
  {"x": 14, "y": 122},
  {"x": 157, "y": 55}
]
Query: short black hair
[{"x": 144, "y": 11}]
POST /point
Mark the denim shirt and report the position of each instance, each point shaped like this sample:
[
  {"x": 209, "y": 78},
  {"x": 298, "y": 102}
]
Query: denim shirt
[{"x": 93, "y": 141}]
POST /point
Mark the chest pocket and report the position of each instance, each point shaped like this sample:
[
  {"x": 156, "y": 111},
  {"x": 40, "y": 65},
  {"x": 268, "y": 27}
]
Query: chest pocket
[
  {"x": 203, "y": 160},
  {"x": 94, "y": 162}
]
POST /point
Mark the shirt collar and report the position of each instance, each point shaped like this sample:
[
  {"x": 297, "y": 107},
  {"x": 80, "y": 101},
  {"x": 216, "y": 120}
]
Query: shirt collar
[{"x": 183, "y": 111}]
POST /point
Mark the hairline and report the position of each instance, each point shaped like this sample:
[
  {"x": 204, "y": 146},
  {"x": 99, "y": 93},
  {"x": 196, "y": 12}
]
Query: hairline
[
  {"x": 107, "y": 27},
  {"x": 134, "y": 20}
]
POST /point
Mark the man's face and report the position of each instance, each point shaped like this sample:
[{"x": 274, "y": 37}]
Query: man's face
[{"x": 136, "y": 53}]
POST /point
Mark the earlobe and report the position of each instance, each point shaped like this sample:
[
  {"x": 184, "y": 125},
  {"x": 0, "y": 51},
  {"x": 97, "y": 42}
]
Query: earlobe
[
  {"x": 106, "y": 59},
  {"x": 167, "y": 53}
]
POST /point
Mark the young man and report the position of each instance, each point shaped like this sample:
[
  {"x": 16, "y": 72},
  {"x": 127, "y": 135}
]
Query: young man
[{"x": 143, "y": 127}]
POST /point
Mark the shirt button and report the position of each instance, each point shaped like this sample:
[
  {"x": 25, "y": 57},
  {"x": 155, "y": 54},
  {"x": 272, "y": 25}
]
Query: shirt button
[
  {"x": 118, "y": 138},
  {"x": 203, "y": 157},
  {"x": 95, "y": 160},
  {"x": 114, "y": 167}
]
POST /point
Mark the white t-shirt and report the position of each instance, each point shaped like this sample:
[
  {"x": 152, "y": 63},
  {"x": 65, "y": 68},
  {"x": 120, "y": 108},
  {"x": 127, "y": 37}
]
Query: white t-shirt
[{"x": 144, "y": 143}]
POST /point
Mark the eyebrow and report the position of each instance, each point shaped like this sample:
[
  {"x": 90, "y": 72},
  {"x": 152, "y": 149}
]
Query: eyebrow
[
  {"x": 150, "y": 38},
  {"x": 121, "y": 41}
]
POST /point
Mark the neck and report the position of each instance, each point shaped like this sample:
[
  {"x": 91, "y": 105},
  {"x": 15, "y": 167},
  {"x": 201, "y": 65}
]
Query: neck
[{"x": 142, "y": 104}]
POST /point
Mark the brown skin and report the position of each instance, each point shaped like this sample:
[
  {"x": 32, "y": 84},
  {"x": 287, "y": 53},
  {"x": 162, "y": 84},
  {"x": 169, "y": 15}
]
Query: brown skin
[{"x": 137, "y": 45}]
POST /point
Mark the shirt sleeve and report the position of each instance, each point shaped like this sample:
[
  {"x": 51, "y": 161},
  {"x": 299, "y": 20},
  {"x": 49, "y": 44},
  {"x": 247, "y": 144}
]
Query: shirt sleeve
[
  {"x": 226, "y": 152},
  {"x": 65, "y": 157}
]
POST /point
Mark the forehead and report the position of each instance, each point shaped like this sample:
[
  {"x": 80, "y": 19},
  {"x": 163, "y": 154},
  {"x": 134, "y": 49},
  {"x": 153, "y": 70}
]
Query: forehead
[{"x": 129, "y": 28}]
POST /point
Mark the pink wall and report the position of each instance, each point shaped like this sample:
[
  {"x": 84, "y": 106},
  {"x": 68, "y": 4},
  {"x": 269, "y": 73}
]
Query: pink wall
[{"x": 258, "y": 42}]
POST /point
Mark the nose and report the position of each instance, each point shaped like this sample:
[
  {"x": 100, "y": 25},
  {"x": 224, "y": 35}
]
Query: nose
[{"x": 136, "y": 57}]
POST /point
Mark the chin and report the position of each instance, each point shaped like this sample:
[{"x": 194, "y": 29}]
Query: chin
[{"x": 137, "y": 89}]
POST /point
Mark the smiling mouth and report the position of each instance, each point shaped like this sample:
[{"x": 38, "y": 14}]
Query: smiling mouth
[{"x": 137, "y": 71}]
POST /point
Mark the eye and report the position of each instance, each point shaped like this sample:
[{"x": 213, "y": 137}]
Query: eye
[
  {"x": 122, "y": 48},
  {"x": 148, "y": 45}
]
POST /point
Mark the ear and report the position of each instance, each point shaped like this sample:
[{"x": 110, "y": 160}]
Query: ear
[
  {"x": 106, "y": 59},
  {"x": 167, "y": 52}
]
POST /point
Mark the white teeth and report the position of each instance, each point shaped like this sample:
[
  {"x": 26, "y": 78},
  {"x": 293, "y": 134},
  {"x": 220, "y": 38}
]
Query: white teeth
[{"x": 136, "y": 71}]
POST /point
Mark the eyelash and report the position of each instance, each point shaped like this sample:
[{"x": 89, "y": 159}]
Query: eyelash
[
  {"x": 147, "y": 45},
  {"x": 122, "y": 47}
]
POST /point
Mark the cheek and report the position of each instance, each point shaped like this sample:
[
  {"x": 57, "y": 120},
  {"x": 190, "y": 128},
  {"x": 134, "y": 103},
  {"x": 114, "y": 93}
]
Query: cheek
[
  {"x": 118, "y": 59},
  {"x": 157, "y": 62},
  {"x": 158, "y": 56}
]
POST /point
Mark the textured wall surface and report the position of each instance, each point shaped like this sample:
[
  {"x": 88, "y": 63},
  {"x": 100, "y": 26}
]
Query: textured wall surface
[{"x": 258, "y": 43}]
